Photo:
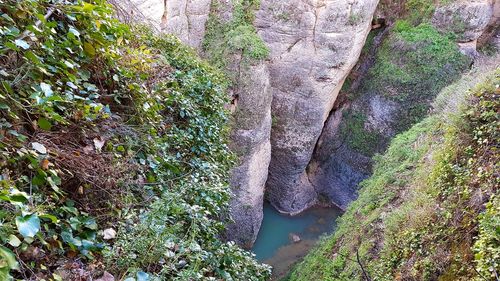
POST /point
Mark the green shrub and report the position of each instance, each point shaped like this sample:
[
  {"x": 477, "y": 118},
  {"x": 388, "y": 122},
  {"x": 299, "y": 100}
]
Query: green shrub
[
  {"x": 412, "y": 66},
  {"x": 358, "y": 138},
  {"x": 234, "y": 40},
  {"x": 487, "y": 246},
  {"x": 157, "y": 163}
]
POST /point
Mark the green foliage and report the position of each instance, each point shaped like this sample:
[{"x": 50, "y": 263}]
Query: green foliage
[
  {"x": 487, "y": 246},
  {"x": 234, "y": 39},
  {"x": 417, "y": 217},
  {"x": 51, "y": 79},
  {"x": 165, "y": 131},
  {"x": 180, "y": 234},
  {"x": 419, "y": 10},
  {"x": 180, "y": 231},
  {"x": 412, "y": 66},
  {"x": 392, "y": 172},
  {"x": 357, "y": 137}
]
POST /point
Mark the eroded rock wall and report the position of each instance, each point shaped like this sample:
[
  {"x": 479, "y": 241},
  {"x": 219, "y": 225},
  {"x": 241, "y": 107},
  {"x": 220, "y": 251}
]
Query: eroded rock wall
[
  {"x": 468, "y": 19},
  {"x": 314, "y": 44},
  {"x": 250, "y": 139},
  {"x": 187, "y": 19}
]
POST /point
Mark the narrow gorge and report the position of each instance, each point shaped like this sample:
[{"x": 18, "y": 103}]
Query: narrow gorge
[
  {"x": 163, "y": 139},
  {"x": 290, "y": 127},
  {"x": 280, "y": 102}
]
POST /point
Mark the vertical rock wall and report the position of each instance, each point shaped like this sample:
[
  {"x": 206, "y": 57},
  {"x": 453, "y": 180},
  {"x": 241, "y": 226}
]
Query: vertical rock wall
[
  {"x": 250, "y": 139},
  {"x": 314, "y": 44},
  {"x": 187, "y": 19}
]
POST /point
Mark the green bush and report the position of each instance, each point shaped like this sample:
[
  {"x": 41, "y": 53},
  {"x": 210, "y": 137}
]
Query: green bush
[
  {"x": 487, "y": 246},
  {"x": 358, "y": 138},
  {"x": 157, "y": 164},
  {"x": 234, "y": 40}
]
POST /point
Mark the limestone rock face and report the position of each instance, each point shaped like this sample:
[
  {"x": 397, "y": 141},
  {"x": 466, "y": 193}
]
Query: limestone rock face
[
  {"x": 492, "y": 33},
  {"x": 250, "y": 139},
  {"x": 314, "y": 44},
  {"x": 149, "y": 12},
  {"x": 186, "y": 19},
  {"x": 467, "y": 18}
]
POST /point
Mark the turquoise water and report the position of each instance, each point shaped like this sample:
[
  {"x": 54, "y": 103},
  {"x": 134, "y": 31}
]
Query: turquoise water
[{"x": 274, "y": 246}]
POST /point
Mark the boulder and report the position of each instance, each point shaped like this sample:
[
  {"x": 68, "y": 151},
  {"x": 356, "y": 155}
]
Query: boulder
[
  {"x": 294, "y": 238},
  {"x": 467, "y": 19}
]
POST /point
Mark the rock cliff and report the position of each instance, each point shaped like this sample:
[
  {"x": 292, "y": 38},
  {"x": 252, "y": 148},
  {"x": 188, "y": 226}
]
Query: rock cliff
[
  {"x": 401, "y": 70},
  {"x": 314, "y": 45}
]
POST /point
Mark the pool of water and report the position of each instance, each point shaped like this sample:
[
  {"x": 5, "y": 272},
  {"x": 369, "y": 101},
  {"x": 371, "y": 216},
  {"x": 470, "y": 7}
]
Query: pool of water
[{"x": 274, "y": 245}]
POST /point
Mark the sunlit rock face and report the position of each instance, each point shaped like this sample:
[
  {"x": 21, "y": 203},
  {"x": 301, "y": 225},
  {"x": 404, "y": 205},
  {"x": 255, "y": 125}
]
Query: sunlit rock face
[
  {"x": 468, "y": 19},
  {"x": 250, "y": 139},
  {"x": 314, "y": 45},
  {"x": 187, "y": 19},
  {"x": 150, "y": 12},
  {"x": 184, "y": 18}
]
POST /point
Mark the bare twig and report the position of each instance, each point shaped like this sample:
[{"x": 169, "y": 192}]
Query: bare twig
[{"x": 365, "y": 274}]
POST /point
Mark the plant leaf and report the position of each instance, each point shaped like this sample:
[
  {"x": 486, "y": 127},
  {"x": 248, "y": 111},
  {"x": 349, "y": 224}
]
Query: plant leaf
[
  {"x": 9, "y": 257},
  {"x": 40, "y": 148},
  {"x": 142, "y": 276},
  {"x": 28, "y": 226},
  {"x": 46, "y": 89},
  {"x": 89, "y": 49},
  {"x": 14, "y": 241},
  {"x": 44, "y": 124},
  {"x": 21, "y": 43}
]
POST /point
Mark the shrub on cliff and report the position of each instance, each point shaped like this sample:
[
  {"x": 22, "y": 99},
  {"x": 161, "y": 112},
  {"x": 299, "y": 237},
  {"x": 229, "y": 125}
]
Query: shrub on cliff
[
  {"x": 412, "y": 65},
  {"x": 113, "y": 152},
  {"x": 232, "y": 39}
]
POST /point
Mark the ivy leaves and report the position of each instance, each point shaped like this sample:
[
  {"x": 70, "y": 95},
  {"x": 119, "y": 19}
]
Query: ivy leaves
[
  {"x": 8, "y": 262},
  {"x": 28, "y": 226}
]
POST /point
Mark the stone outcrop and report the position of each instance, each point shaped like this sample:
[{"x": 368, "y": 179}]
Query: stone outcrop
[
  {"x": 314, "y": 45},
  {"x": 250, "y": 139},
  {"x": 187, "y": 19},
  {"x": 184, "y": 18},
  {"x": 492, "y": 33},
  {"x": 466, "y": 18},
  {"x": 149, "y": 12}
]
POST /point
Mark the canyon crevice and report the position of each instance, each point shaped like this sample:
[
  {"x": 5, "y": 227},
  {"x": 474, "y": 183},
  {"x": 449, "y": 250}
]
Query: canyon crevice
[{"x": 314, "y": 45}]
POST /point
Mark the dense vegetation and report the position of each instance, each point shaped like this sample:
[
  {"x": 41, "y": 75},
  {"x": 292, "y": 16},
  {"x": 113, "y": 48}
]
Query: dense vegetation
[
  {"x": 412, "y": 65},
  {"x": 112, "y": 151},
  {"x": 233, "y": 38},
  {"x": 430, "y": 211}
]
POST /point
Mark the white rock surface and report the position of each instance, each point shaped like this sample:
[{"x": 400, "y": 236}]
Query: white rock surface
[{"x": 187, "y": 19}]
